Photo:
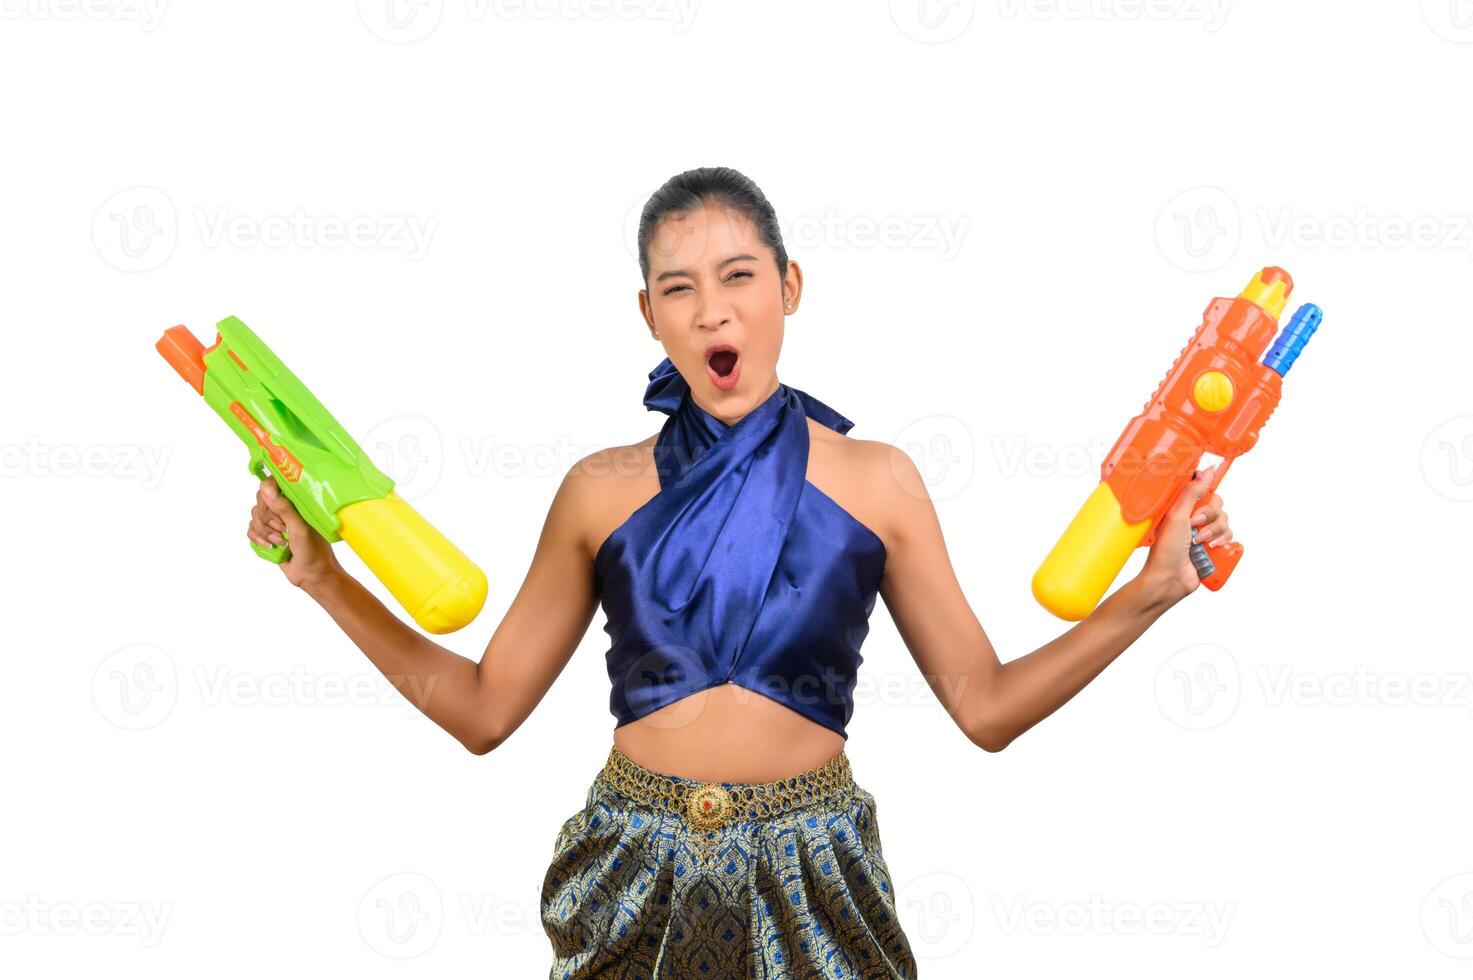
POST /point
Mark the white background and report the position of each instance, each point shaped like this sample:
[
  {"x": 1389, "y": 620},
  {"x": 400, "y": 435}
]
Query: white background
[{"x": 1010, "y": 216}]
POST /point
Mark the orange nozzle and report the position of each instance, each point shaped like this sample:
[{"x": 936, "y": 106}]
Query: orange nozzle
[{"x": 185, "y": 354}]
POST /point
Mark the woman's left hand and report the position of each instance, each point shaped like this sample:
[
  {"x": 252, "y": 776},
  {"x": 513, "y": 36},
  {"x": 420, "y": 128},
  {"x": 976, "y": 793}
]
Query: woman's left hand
[{"x": 1169, "y": 565}]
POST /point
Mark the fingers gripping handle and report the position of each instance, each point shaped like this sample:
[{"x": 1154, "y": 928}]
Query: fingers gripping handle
[
  {"x": 276, "y": 553},
  {"x": 1201, "y": 560},
  {"x": 1214, "y": 565}
]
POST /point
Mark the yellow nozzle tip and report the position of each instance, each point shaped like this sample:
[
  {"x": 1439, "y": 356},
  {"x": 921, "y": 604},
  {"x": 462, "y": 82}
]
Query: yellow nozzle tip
[{"x": 1269, "y": 290}]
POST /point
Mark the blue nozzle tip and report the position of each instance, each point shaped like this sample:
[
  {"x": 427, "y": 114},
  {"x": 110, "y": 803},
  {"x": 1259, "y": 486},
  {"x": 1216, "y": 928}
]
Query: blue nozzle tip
[
  {"x": 1310, "y": 315},
  {"x": 1291, "y": 341}
]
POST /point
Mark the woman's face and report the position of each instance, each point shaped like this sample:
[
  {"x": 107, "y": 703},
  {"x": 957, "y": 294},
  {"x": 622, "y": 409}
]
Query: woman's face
[{"x": 716, "y": 302}]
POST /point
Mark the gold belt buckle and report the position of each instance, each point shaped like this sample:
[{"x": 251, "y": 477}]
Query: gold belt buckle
[{"x": 708, "y": 806}]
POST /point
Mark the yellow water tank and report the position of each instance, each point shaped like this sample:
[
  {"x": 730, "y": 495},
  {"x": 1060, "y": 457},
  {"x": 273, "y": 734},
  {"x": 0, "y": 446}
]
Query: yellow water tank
[{"x": 430, "y": 577}]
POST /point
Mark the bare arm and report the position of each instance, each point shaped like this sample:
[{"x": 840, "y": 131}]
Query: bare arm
[
  {"x": 993, "y": 702},
  {"x": 479, "y": 704}
]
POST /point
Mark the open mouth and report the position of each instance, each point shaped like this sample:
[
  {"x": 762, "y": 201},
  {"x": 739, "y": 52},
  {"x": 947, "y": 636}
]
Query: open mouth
[{"x": 724, "y": 363}]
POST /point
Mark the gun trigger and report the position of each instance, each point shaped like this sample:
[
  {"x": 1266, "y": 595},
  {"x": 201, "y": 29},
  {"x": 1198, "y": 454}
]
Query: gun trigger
[{"x": 257, "y": 465}]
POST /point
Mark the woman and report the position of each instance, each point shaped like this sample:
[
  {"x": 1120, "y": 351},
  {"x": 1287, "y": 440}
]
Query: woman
[{"x": 737, "y": 554}]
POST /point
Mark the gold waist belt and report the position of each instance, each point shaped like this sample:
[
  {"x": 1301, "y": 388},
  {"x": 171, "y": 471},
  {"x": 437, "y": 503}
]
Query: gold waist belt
[{"x": 709, "y": 806}]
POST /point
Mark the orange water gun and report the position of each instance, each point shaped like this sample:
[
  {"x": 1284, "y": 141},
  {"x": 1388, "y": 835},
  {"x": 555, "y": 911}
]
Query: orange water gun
[{"x": 1215, "y": 399}]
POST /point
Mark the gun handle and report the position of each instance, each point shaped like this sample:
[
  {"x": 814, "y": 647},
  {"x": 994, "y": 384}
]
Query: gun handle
[
  {"x": 1215, "y": 565},
  {"x": 276, "y": 553}
]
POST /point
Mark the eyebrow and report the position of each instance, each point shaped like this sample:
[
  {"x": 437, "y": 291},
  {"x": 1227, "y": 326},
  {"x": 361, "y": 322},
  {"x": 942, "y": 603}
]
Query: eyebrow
[{"x": 684, "y": 272}]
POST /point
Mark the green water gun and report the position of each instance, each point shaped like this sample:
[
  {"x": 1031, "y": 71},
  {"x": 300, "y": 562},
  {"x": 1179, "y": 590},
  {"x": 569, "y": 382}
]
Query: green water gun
[{"x": 327, "y": 477}]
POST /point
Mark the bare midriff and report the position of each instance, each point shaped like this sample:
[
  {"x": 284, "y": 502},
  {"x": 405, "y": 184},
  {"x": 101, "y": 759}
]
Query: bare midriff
[{"x": 728, "y": 733}]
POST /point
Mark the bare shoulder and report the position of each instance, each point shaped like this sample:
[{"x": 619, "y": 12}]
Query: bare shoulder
[
  {"x": 898, "y": 478},
  {"x": 602, "y": 468},
  {"x": 876, "y": 482},
  {"x": 606, "y": 486}
]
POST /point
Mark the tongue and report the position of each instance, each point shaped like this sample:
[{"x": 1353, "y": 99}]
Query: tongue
[{"x": 723, "y": 361}]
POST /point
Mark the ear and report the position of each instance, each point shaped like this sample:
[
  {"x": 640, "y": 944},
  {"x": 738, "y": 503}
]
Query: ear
[
  {"x": 792, "y": 287},
  {"x": 648, "y": 313}
]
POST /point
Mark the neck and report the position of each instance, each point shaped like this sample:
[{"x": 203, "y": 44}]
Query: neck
[{"x": 732, "y": 418}]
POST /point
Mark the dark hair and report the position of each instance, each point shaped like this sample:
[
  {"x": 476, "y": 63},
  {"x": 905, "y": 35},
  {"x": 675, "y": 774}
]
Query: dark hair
[{"x": 687, "y": 191}]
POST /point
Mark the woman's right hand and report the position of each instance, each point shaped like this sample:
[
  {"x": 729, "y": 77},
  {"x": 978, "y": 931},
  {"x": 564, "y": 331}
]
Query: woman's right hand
[{"x": 311, "y": 558}]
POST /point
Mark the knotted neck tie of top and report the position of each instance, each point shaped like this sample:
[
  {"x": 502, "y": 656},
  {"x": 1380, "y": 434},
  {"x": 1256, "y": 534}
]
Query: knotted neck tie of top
[{"x": 739, "y": 570}]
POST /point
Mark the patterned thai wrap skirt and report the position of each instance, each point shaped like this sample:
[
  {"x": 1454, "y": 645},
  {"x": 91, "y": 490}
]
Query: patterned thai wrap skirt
[{"x": 660, "y": 877}]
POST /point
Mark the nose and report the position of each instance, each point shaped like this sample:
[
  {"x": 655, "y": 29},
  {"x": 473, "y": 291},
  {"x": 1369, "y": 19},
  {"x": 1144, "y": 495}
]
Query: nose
[{"x": 713, "y": 312}]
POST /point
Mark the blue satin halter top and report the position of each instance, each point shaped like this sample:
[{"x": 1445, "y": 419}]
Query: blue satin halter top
[{"x": 739, "y": 570}]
